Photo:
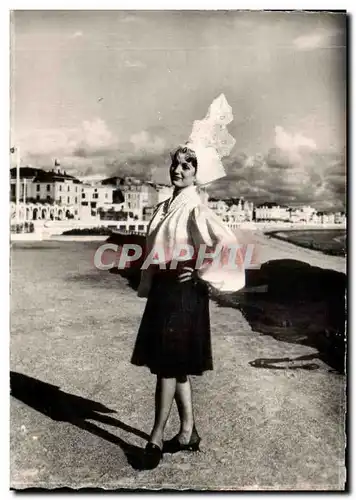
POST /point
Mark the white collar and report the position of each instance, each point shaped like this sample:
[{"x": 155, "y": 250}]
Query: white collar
[{"x": 188, "y": 193}]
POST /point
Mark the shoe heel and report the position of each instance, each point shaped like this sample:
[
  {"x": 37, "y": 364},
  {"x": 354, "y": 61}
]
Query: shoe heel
[{"x": 194, "y": 447}]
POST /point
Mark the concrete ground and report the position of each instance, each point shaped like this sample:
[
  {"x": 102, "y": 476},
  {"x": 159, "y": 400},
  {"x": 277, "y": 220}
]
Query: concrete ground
[{"x": 81, "y": 414}]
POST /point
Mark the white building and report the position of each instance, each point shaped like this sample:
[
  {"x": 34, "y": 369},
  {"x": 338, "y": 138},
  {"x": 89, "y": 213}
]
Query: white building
[
  {"x": 242, "y": 211},
  {"x": 94, "y": 196},
  {"x": 328, "y": 218},
  {"x": 340, "y": 218},
  {"x": 236, "y": 213},
  {"x": 302, "y": 214},
  {"x": 220, "y": 207},
  {"x": 272, "y": 211},
  {"x": 46, "y": 188},
  {"x": 138, "y": 194}
]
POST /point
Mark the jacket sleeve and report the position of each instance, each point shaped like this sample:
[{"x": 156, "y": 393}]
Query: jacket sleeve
[
  {"x": 225, "y": 272},
  {"x": 146, "y": 274}
]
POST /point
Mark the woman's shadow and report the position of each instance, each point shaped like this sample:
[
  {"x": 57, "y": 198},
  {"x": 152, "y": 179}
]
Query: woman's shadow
[
  {"x": 300, "y": 304},
  {"x": 63, "y": 407}
]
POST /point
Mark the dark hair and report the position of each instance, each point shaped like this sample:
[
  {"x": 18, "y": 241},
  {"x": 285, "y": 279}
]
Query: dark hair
[{"x": 189, "y": 156}]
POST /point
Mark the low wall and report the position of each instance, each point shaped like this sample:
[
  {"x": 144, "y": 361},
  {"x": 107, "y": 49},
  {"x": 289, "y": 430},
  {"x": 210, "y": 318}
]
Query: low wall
[
  {"x": 26, "y": 237},
  {"x": 78, "y": 238},
  {"x": 49, "y": 230}
]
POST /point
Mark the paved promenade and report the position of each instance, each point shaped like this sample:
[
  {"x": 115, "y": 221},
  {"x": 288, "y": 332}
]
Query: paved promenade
[{"x": 81, "y": 414}]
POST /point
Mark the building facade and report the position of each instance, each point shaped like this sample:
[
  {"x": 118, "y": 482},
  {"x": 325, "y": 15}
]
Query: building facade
[
  {"x": 39, "y": 190},
  {"x": 272, "y": 212},
  {"x": 137, "y": 195},
  {"x": 94, "y": 197}
]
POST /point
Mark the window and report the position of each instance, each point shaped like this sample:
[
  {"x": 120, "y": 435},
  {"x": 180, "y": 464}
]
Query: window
[
  {"x": 60, "y": 199},
  {"x": 106, "y": 195},
  {"x": 76, "y": 199},
  {"x": 68, "y": 188},
  {"x": 95, "y": 196},
  {"x": 48, "y": 198},
  {"x": 95, "y": 190},
  {"x": 38, "y": 197},
  {"x": 76, "y": 189},
  {"x": 48, "y": 187},
  {"x": 68, "y": 199},
  {"x": 37, "y": 187},
  {"x": 60, "y": 187},
  {"x": 83, "y": 195},
  {"x": 84, "y": 203}
]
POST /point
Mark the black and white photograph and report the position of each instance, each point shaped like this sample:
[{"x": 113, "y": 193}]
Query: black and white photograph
[{"x": 178, "y": 250}]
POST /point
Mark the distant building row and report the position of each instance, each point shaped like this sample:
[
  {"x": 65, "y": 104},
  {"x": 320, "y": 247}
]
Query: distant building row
[
  {"x": 40, "y": 190},
  {"x": 55, "y": 195},
  {"x": 243, "y": 210}
]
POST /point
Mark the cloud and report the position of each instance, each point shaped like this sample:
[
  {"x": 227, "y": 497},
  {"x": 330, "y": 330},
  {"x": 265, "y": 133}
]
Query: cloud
[
  {"x": 92, "y": 148},
  {"x": 294, "y": 173},
  {"x": 89, "y": 138},
  {"x": 145, "y": 142},
  {"x": 146, "y": 156},
  {"x": 78, "y": 148},
  {"x": 309, "y": 42},
  {"x": 318, "y": 39},
  {"x": 134, "y": 64},
  {"x": 76, "y": 34},
  {"x": 288, "y": 147},
  {"x": 95, "y": 135},
  {"x": 130, "y": 18},
  {"x": 292, "y": 142}
]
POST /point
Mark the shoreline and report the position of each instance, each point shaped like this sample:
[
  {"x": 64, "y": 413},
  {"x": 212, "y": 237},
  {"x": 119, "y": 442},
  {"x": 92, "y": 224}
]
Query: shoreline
[{"x": 282, "y": 235}]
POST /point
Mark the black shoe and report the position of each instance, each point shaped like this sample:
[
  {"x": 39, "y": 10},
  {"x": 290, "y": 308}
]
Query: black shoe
[
  {"x": 152, "y": 456},
  {"x": 173, "y": 445}
]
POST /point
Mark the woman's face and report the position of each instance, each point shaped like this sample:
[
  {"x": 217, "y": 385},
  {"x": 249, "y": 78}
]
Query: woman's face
[{"x": 182, "y": 172}]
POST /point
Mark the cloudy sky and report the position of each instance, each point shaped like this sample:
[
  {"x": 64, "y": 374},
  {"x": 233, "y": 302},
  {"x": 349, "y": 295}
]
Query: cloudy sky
[{"x": 110, "y": 92}]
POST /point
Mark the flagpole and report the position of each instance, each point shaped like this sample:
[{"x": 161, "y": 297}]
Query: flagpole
[
  {"x": 24, "y": 200},
  {"x": 17, "y": 185}
]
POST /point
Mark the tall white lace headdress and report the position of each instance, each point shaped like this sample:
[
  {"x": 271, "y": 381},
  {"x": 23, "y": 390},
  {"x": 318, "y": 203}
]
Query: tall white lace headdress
[{"x": 211, "y": 141}]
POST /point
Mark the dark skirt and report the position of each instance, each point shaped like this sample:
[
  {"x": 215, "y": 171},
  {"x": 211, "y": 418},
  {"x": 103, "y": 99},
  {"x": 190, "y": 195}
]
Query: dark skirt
[{"x": 174, "y": 336}]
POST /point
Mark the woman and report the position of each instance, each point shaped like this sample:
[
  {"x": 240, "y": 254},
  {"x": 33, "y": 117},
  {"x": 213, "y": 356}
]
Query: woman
[{"x": 174, "y": 336}]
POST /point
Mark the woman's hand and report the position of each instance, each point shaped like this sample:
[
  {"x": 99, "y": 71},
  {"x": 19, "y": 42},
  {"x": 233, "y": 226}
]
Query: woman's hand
[{"x": 186, "y": 275}]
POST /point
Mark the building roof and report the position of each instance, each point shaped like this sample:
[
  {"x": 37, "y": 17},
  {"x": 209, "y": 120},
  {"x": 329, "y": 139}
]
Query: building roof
[
  {"x": 55, "y": 177},
  {"x": 271, "y": 204},
  {"x": 157, "y": 186},
  {"x": 40, "y": 175},
  {"x": 228, "y": 201},
  {"x": 113, "y": 180},
  {"x": 25, "y": 172}
]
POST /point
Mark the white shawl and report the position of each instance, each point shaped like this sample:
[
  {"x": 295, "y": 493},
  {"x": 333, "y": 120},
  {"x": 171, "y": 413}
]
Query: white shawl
[{"x": 189, "y": 221}]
